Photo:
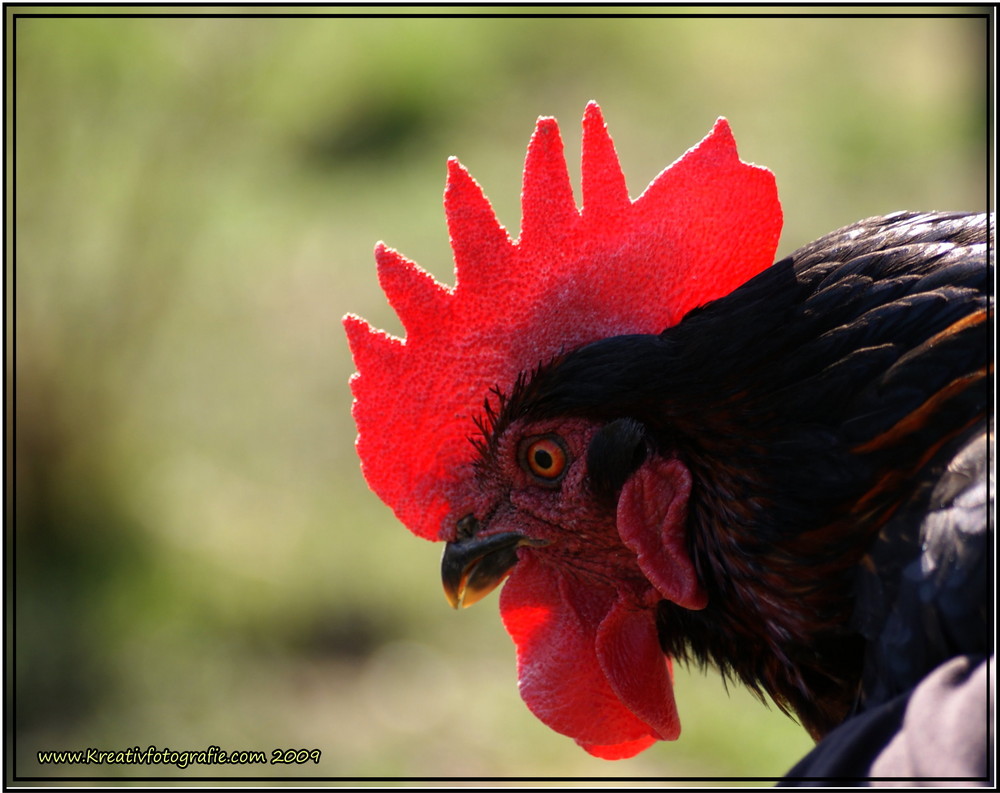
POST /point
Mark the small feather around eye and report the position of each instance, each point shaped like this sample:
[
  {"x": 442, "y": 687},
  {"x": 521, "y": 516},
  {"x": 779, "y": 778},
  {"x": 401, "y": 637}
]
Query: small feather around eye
[
  {"x": 614, "y": 454},
  {"x": 545, "y": 458}
]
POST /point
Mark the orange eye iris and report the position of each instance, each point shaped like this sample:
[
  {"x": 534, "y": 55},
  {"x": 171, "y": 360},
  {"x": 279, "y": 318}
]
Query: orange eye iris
[{"x": 545, "y": 458}]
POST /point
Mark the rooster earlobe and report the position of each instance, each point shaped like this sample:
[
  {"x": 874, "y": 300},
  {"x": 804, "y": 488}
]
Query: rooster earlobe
[{"x": 652, "y": 522}]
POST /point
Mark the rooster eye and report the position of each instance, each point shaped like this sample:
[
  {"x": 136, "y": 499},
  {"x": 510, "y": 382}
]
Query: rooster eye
[{"x": 545, "y": 458}]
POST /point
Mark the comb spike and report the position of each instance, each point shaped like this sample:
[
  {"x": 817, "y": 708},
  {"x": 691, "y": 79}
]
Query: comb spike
[
  {"x": 727, "y": 206},
  {"x": 605, "y": 194},
  {"x": 720, "y": 142},
  {"x": 370, "y": 347},
  {"x": 716, "y": 150},
  {"x": 417, "y": 298},
  {"x": 481, "y": 245},
  {"x": 548, "y": 209}
]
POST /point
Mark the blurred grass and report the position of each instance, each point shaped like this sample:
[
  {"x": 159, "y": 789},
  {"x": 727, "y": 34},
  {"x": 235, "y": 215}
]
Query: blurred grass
[{"x": 197, "y": 558}]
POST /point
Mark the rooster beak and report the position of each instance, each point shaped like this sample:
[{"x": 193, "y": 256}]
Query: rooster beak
[{"x": 472, "y": 567}]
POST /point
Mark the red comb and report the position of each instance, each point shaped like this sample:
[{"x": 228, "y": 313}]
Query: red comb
[{"x": 703, "y": 227}]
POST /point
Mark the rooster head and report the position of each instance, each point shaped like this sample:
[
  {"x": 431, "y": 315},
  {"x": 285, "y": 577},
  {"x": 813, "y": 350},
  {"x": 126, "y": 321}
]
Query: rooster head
[{"x": 464, "y": 434}]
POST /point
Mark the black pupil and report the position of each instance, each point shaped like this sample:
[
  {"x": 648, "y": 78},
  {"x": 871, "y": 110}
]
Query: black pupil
[{"x": 543, "y": 459}]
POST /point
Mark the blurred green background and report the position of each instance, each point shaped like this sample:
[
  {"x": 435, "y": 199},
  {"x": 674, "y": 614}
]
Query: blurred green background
[{"x": 197, "y": 559}]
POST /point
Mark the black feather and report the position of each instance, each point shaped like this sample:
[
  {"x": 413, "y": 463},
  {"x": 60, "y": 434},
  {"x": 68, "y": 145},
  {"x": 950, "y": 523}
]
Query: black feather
[
  {"x": 924, "y": 588},
  {"x": 615, "y": 452}
]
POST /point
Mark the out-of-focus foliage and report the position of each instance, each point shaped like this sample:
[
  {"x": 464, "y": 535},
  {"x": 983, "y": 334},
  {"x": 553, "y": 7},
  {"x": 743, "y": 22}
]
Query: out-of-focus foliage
[{"x": 197, "y": 559}]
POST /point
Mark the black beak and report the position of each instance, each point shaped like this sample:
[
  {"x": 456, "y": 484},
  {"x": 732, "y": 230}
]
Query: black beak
[{"x": 472, "y": 567}]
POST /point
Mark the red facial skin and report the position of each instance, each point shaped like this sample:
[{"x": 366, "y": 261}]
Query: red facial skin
[{"x": 581, "y": 608}]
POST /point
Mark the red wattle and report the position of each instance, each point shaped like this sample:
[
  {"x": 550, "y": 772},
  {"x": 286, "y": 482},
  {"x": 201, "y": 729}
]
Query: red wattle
[{"x": 583, "y": 658}]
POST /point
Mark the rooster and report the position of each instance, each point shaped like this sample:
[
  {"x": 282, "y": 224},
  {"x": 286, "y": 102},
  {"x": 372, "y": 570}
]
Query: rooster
[{"x": 671, "y": 448}]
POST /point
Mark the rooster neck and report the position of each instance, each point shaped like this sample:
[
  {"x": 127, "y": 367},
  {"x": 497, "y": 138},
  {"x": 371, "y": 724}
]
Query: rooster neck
[
  {"x": 785, "y": 613},
  {"x": 780, "y": 606},
  {"x": 838, "y": 403},
  {"x": 778, "y": 618}
]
